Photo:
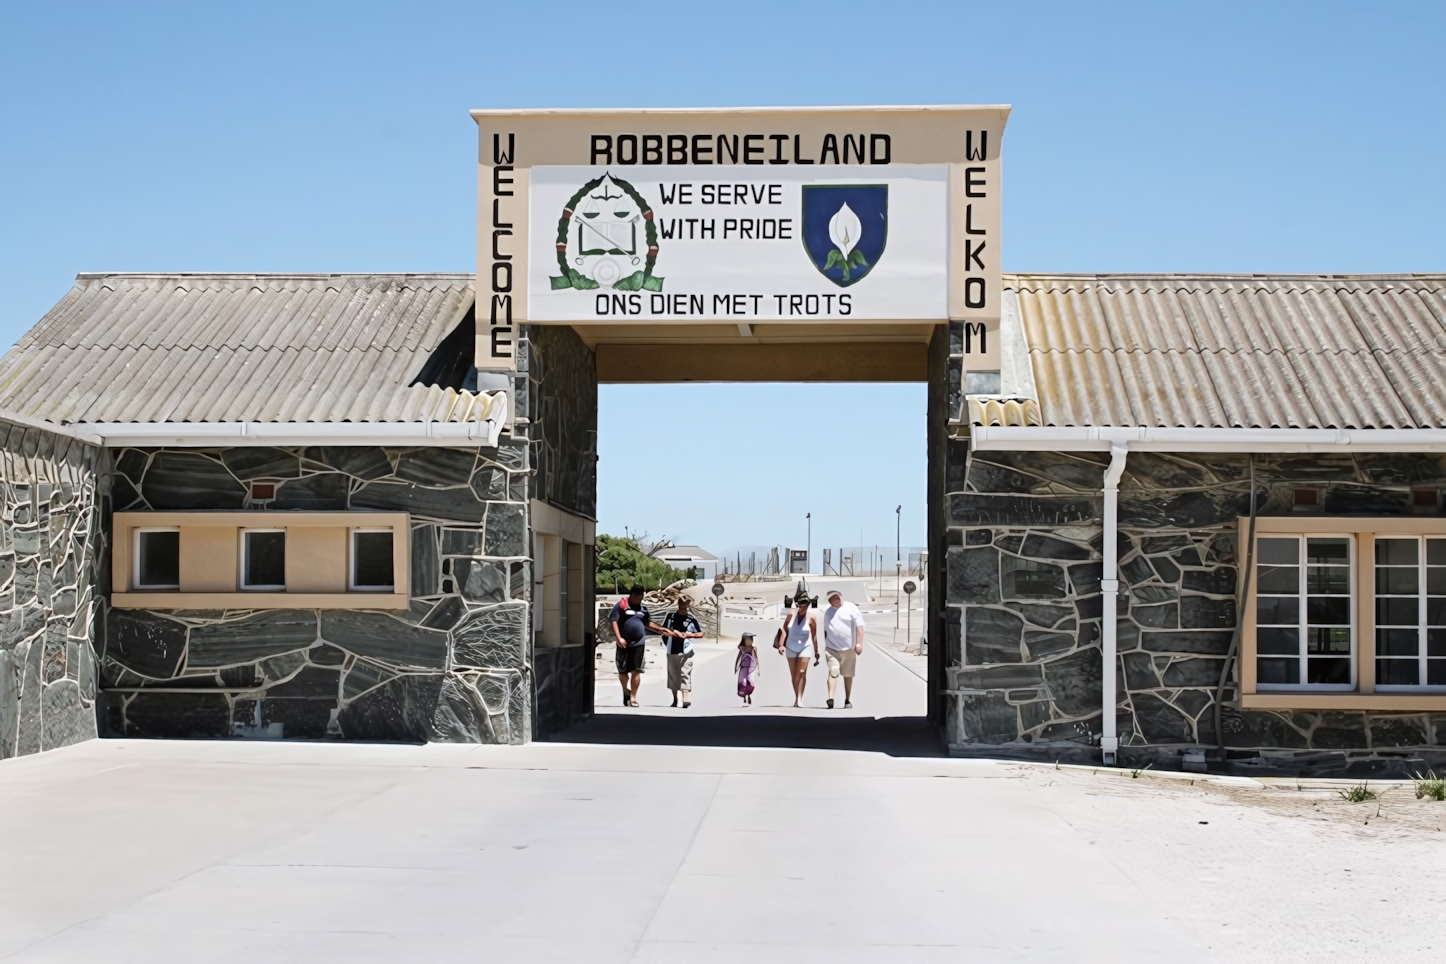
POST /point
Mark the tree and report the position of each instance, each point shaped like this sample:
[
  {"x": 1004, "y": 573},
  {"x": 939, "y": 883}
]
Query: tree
[{"x": 622, "y": 563}]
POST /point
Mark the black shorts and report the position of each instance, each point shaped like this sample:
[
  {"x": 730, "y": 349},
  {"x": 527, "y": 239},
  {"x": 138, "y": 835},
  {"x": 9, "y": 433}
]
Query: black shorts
[{"x": 630, "y": 658}]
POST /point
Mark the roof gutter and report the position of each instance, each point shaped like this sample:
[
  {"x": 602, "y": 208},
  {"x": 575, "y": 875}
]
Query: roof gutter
[
  {"x": 1100, "y": 439},
  {"x": 241, "y": 434}
]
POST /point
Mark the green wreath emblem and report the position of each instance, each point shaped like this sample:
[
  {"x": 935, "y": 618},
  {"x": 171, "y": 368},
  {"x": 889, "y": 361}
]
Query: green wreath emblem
[{"x": 643, "y": 280}]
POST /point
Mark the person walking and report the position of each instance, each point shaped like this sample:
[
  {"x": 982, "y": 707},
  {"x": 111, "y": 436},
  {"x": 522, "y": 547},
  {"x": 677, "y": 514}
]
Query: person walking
[
  {"x": 798, "y": 632},
  {"x": 747, "y": 668},
  {"x": 843, "y": 643},
  {"x": 684, "y": 629},
  {"x": 631, "y": 625}
]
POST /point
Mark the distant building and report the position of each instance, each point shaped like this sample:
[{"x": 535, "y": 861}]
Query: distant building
[{"x": 703, "y": 563}]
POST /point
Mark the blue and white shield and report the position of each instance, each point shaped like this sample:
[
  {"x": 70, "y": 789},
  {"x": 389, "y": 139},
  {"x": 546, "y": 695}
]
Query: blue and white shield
[{"x": 845, "y": 227}]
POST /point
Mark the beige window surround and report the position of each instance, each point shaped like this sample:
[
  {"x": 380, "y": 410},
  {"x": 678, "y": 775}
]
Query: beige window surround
[
  {"x": 318, "y": 560},
  {"x": 1362, "y": 531}
]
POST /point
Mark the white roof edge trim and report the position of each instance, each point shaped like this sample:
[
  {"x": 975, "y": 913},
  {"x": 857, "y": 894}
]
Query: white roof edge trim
[{"x": 1086, "y": 439}]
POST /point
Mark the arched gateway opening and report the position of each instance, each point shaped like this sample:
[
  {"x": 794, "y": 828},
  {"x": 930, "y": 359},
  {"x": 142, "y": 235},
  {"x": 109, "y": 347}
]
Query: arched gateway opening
[{"x": 733, "y": 246}]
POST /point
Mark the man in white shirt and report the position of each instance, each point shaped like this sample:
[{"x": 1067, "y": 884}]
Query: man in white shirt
[{"x": 843, "y": 640}]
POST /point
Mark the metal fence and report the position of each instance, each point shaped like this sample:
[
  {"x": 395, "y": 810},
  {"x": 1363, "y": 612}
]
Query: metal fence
[{"x": 769, "y": 563}]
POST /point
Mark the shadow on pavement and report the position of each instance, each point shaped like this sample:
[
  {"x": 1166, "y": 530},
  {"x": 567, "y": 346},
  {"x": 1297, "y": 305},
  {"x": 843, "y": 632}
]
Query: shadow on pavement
[{"x": 904, "y": 736}]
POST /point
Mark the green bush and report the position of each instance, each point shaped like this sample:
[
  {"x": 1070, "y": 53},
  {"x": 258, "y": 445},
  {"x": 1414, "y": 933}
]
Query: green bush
[{"x": 621, "y": 563}]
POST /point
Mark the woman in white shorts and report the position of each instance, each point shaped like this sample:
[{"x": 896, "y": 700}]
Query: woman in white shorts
[{"x": 799, "y": 632}]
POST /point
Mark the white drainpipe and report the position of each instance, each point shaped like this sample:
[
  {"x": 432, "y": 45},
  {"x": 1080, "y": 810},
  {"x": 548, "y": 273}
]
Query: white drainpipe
[{"x": 1110, "y": 589}]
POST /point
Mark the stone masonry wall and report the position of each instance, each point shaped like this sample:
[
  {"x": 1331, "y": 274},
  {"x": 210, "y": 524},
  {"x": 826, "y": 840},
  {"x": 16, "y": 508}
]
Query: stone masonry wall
[
  {"x": 453, "y": 668},
  {"x": 560, "y": 415},
  {"x": 51, "y": 546},
  {"x": 1023, "y": 609}
]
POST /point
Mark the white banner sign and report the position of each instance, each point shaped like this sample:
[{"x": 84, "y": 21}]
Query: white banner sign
[{"x": 698, "y": 243}]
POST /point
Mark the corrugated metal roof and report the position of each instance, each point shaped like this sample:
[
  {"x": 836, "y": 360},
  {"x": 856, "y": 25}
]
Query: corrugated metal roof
[
  {"x": 241, "y": 348},
  {"x": 1237, "y": 351}
]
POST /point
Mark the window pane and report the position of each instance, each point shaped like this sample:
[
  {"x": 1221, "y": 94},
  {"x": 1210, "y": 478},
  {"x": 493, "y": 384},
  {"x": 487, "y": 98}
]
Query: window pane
[
  {"x": 1328, "y": 580},
  {"x": 1436, "y": 552},
  {"x": 1274, "y": 610},
  {"x": 1278, "y": 642},
  {"x": 1328, "y": 641},
  {"x": 160, "y": 560},
  {"x": 1329, "y": 672},
  {"x": 1335, "y": 551},
  {"x": 265, "y": 559},
  {"x": 1436, "y": 581},
  {"x": 1436, "y": 672},
  {"x": 372, "y": 558},
  {"x": 1277, "y": 671},
  {"x": 1397, "y": 672},
  {"x": 1327, "y": 611},
  {"x": 1279, "y": 579},
  {"x": 1397, "y": 612},
  {"x": 1396, "y": 552},
  {"x": 1436, "y": 642},
  {"x": 1398, "y": 580},
  {"x": 1278, "y": 551},
  {"x": 1435, "y": 611},
  {"x": 1397, "y": 642}
]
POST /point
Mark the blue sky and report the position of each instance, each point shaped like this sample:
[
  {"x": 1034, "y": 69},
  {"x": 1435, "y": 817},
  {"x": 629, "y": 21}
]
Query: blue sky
[{"x": 1145, "y": 137}]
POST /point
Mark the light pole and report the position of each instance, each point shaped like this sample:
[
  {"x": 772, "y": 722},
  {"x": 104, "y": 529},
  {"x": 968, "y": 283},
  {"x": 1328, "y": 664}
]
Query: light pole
[
  {"x": 898, "y": 566},
  {"x": 808, "y": 562}
]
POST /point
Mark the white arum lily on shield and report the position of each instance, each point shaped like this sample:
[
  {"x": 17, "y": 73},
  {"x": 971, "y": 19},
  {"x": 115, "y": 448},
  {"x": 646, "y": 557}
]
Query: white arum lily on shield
[{"x": 844, "y": 230}]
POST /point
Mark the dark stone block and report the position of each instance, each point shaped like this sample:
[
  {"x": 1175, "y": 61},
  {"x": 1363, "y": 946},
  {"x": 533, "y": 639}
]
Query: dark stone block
[
  {"x": 1146, "y": 595},
  {"x": 460, "y": 715},
  {"x": 362, "y": 677},
  {"x": 280, "y": 667},
  {"x": 1074, "y": 682},
  {"x": 1039, "y": 546},
  {"x": 999, "y": 677},
  {"x": 399, "y": 710},
  {"x": 365, "y": 462},
  {"x": 456, "y": 505},
  {"x": 1136, "y": 570},
  {"x": 991, "y": 636},
  {"x": 1187, "y": 510},
  {"x": 384, "y": 638},
  {"x": 985, "y": 477},
  {"x": 323, "y": 492},
  {"x": 64, "y": 718},
  {"x": 1193, "y": 672},
  {"x": 1169, "y": 572},
  {"x": 326, "y": 656},
  {"x": 490, "y": 483},
  {"x": 123, "y": 495},
  {"x": 1310, "y": 468},
  {"x": 1402, "y": 468},
  {"x": 240, "y": 677},
  {"x": 973, "y": 575},
  {"x": 1188, "y": 557},
  {"x": 255, "y": 637},
  {"x": 1009, "y": 543},
  {"x": 1201, "y": 612},
  {"x": 187, "y": 480},
  {"x": 954, "y": 642},
  {"x": 132, "y": 463},
  {"x": 177, "y": 716},
  {"x": 1089, "y": 607},
  {"x": 1159, "y": 722},
  {"x": 1213, "y": 643},
  {"x": 977, "y": 537},
  {"x": 149, "y": 645},
  {"x": 975, "y": 509},
  {"x": 1399, "y": 732},
  {"x": 988, "y": 719},
  {"x": 1151, "y": 545},
  {"x": 480, "y": 581},
  {"x": 1221, "y": 549},
  {"x": 462, "y": 542},
  {"x": 1033, "y": 714},
  {"x": 492, "y": 638},
  {"x": 1219, "y": 581},
  {"x": 506, "y": 529},
  {"x": 313, "y": 682},
  {"x": 1165, "y": 616},
  {"x": 1140, "y": 672},
  {"x": 1084, "y": 471},
  {"x": 426, "y": 562},
  {"x": 445, "y": 614},
  {"x": 1151, "y": 470},
  {"x": 1021, "y": 579},
  {"x": 1359, "y": 500},
  {"x": 436, "y": 467},
  {"x": 1085, "y": 577},
  {"x": 956, "y": 464},
  {"x": 1041, "y": 614},
  {"x": 261, "y": 463},
  {"x": 1191, "y": 702},
  {"x": 1043, "y": 645},
  {"x": 300, "y": 719},
  {"x": 1339, "y": 731},
  {"x": 1085, "y": 731}
]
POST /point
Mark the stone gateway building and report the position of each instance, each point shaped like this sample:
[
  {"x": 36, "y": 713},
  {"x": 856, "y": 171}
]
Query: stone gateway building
[{"x": 1188, "y": 521}]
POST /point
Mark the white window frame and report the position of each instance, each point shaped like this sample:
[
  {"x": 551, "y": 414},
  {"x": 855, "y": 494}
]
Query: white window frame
[
  {"x": 1422, "y": 602},
  {"x": 1302, "y": 624},
  {"x": 136, "y": 558},
  {"x": 351, "y": 559},
  {"x": 242, "y": 543}
]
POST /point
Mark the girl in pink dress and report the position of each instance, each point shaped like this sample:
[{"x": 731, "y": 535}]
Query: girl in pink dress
[{"x": 746, "y": 666}]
